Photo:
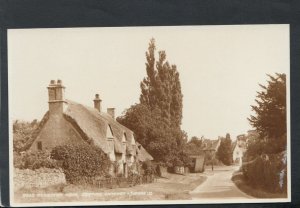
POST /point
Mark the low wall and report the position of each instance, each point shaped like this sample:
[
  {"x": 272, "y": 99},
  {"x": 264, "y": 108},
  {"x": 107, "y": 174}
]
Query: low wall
[{"x": 39, "y": 178}]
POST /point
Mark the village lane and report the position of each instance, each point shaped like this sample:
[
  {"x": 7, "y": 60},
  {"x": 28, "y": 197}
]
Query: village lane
[{"x": 219, "y": 185}]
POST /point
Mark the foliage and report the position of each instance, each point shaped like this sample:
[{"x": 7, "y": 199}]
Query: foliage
[
  {"x": 224, "y": 152},
  {"x": 270, "y": 110},
  {"x": 22, "y": 132},
  {"x": 193, "y": 146},
  {"x": 149, "y": 168},
  {"x": 157, "y": 118},
  {"x": 264, "y": 172},
  {"x": 257, "y": 146},
  {"x": 81, "y": 161},
  {"x": 161, "y": 89},
  {"x": 34, "y": 160},
  {"x": 262, "y": 164}
]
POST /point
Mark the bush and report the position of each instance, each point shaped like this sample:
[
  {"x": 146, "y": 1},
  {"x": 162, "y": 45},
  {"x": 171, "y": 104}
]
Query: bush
[
  {"x": 267, "y": 172},
  {"x": 148, "y": 168},
  {"x": 34, "y": 160},
  {"x": 82, "y": 161}
]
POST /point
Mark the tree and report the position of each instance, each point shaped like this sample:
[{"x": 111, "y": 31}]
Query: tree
[
  {"x": 224, "y": 153},
  {"x": 194, "y": 145},
  {"x": 270, "y": 110},
  {"x": 157, "y": 118},
  {"x": 270, "y": 123},
  {"x": 22, "y": 132},
  {"x": 161, "y": 89}
]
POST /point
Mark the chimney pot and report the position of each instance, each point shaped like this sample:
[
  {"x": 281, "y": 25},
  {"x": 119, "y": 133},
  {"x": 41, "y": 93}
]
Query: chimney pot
[
  {"x": 97, "y": 102},
  {"x": 59, "y": 82},
  {"x": 56, "y": 97}
]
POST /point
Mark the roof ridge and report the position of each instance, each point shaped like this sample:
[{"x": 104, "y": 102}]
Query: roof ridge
[{"x": 103, "y": 114}]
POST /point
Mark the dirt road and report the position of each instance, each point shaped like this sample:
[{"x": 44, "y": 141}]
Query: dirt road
[{"x": 219, "y": 185}]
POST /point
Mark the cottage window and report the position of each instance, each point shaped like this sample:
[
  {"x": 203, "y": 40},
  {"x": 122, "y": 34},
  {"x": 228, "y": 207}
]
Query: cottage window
[
  {"x": 109, "y": 132},
  {"x": 124, "y": 139},
  {"x": 133, "y": 140},
  {"x": 39, "y": 146}
]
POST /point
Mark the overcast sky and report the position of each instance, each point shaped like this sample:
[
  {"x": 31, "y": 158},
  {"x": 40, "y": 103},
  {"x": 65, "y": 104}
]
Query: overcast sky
[{"x": 220, "y": 68}]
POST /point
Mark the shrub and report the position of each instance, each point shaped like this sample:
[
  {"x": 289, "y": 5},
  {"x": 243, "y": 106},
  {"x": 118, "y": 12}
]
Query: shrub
[
  {"x": 267, "y": 172},
  {"x": 148, "y": 168},
  {"x": 177, "y": 162},
  {"x": 22, "y": 133},
  {"x": 34, "y": 160},
  {"x": 82, "y": 161}
]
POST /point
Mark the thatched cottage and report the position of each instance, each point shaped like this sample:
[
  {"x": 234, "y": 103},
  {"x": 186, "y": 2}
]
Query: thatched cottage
[
  {"x": 69, "y": 122},
  {"x": 209, "y": 145}
]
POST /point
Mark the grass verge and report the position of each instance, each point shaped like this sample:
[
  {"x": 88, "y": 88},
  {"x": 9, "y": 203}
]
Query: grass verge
[
  {"x": 240, "y": 182},
  {"x": 175, "y": 187}
]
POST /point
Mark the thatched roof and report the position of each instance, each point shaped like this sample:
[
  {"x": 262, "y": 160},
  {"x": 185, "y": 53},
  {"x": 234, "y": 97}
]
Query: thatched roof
[
  {"x": 142, "y": 154},
  {"x": 210, "y": 145},
  {"x": 93, "y": 125}
]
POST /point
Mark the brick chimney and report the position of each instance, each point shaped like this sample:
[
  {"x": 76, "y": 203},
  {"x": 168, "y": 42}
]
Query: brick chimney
[
  {"x": 111, "y": 112},
  {"x": 97, "y": 102},
  {"x": 56, "y": 93}
]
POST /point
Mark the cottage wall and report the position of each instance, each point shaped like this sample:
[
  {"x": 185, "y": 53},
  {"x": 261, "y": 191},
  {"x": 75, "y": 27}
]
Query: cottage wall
[
  {"x": 237, "y": 154},
  {"x": 57, "y": 131},
  {"x": 199, "y": 164}
]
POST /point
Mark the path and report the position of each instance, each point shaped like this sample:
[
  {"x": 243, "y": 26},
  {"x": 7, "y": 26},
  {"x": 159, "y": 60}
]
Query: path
[{"x": 219, "y": 185}]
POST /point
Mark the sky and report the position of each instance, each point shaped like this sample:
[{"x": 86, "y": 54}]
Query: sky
[{"x": 220, "y": 68}]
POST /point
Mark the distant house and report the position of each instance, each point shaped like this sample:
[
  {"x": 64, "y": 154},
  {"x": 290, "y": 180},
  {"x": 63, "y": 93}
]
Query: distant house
[
  {"x": 200, "y": 156},
  {"x": 68, "y": 122},
  {"x": 238, "y": 149},
  {"x": 209, "y": 145}
]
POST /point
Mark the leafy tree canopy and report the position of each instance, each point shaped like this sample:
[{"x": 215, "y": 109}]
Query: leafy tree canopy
[
  {"x": 22, "y": 132},
  {"x": 270, "y": 108},
  {"x": 157, "y": 118},
  {"x": 269, "y": 119}
]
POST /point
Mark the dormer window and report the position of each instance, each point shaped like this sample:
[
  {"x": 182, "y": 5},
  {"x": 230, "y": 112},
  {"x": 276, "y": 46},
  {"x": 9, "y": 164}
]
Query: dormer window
[
  {"x": 124, "y": 138},
  {"x": 133, "y": 141},
  {"x": 109, "y": 132}
]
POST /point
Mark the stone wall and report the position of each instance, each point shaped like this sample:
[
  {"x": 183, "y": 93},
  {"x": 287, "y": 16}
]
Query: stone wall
[{"x": 39, "y": 178}]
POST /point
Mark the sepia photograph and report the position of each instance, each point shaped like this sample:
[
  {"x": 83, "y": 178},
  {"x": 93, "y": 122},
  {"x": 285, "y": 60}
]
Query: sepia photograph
[{"x": 149, "y": 115}]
